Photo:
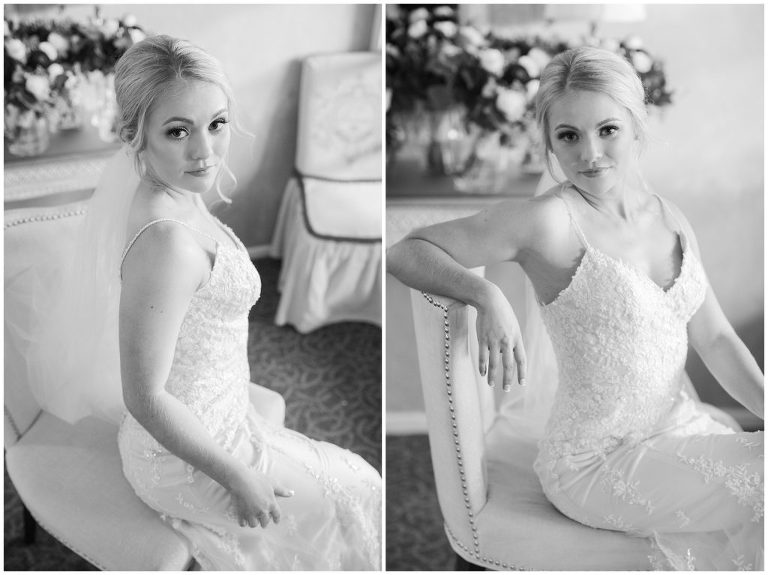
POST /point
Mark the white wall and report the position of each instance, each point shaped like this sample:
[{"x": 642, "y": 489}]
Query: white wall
[{"x": 260, "y": 47}]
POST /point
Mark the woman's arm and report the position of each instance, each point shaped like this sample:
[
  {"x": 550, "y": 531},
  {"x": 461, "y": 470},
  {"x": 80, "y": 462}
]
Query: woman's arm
[
  {"x": 160, "y": 275},
  {"x": 437, "y": 259},
  {"x": 721, "y": 349}
]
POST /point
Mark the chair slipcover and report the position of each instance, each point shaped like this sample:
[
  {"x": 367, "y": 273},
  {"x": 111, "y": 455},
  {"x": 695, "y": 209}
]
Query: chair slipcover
[
  {"x": 328, "y": 230},
  {"x": 494, "y": 510},
  {"x": 70, "y": 476}
]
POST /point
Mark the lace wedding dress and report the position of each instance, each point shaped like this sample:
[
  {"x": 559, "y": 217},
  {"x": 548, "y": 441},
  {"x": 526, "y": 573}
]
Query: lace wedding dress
[
  {"x": 333, "y": 520},
  {"x": 625, "y": 447}
]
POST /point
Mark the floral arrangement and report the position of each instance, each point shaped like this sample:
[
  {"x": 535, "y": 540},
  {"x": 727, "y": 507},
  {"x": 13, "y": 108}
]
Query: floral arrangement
[
  {"x": 54, "y": 68},
  {"x": 435, "y": 64}
]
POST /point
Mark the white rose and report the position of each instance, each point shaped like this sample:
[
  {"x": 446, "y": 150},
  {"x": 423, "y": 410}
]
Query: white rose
[
  {"x": 58, "y": 41},
  {"x": 492, "y": 61},
  {"x": 418, "y": 15},
  {"x": 110, "y": 27},
  {"x": 443, "y": 11},
  {"x": 26, "y": 119},
  {"x": 417, "y": 29},
  {"x": 530, "y": 66},
  {"x": 633, "y": 43},
  {"x": 48, "y": 49},
  {"x": 490, "y": 88},
  {"x": 393, "y": 51},
  {"x": 447, "y": 27},
  {"x": 642, "y": 62},
  {"x": 136, "y": 35},
  {"x": 531, "y": 88},
  {"x": 72, "y": 81},
  {"x": 471, "y": 36},
  {"x": 55, "y": 70},
  {"x": 38, "y": 86},
  {"x": 129, "y": 20},
  {"x": 449, "y": 50},
  {"x": 6, "y": 29},
  {"x": 540, "y": 57},
  {"x": 511, "y": 103},
  {"x": 16, "y": 50}
]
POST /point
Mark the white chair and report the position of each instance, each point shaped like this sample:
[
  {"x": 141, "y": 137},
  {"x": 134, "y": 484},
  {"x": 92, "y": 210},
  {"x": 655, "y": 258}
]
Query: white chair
[
  {"x": 69, "y": 477},
  {"x": 495, "y": 513},
  {"x": 328, "y": 231}
]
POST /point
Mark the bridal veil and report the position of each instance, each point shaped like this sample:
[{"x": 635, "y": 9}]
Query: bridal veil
[{"x": 72, "y": 355}]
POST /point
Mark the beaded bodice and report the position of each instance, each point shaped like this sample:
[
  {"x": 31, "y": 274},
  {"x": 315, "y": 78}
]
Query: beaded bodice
[
  {"x": 210, "y": 372},
  {"x": 621, "y": 343}
]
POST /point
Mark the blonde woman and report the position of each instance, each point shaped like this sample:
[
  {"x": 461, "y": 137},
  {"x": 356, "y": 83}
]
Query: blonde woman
[
  {"x": 617, "y": 275},
  {"x": 165, "y": 290}
]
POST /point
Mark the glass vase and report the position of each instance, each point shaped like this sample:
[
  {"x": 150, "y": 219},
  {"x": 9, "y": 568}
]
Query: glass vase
[
  {"x": 450, "y": 143},
  {"x": 489, "y": 164},
  {"x": 30, "y": 136}
]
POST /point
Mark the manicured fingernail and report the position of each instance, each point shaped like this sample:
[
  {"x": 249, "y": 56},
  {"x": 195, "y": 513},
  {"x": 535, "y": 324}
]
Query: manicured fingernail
[
  {"x": 523, "y": 382},
  {"x": 291, "y": 492},
  {"x": 507, "y": 387},
  {"x": 491, "y": 384}
]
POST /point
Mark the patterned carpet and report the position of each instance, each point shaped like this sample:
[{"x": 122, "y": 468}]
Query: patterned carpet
[
  {"x": 331, "y": 381},
  {"x": 415, "y": 537}
]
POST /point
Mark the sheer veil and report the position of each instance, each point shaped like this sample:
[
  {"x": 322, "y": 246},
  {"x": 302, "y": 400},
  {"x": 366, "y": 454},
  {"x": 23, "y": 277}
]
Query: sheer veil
[
  {"x": 525, "y": 409},
  {"x": 73, "y": 362}
]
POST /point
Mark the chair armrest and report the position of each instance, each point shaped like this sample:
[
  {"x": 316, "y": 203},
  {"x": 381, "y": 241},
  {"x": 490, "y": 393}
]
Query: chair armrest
[{"x": 459, "y": 407}]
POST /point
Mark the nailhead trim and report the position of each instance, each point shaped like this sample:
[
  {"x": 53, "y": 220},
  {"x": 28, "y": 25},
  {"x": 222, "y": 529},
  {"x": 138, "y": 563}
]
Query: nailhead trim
[
  {"x": 45, "y": 218},
  {"x": 475, "y": 552},
  {"x": 454, "y": 423}
]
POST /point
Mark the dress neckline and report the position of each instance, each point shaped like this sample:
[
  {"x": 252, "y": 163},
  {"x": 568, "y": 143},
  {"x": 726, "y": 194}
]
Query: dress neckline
[{"x": 634, "y": 270}]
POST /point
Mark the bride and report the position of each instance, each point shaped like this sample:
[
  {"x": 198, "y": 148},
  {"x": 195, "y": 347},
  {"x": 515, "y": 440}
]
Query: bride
[
  {"x": 169, "y": 290},
  {"x": 621, "y": 290}
]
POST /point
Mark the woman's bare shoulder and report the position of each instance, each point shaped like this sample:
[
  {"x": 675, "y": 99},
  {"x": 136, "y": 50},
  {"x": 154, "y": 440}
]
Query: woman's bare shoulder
[
  {"x": 166, "y": 255},
  {"x": 540, "y": 213},
  {"x": 548, "y": 217}
]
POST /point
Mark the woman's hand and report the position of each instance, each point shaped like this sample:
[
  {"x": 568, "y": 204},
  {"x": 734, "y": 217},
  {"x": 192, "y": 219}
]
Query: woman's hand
[
  {"x": 254, "y": 498},
  {"x": 498, "y": 332}
]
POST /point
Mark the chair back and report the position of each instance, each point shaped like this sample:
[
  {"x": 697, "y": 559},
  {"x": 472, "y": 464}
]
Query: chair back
[
  {"x": 460, "y": 407},
  {"x": 34, "y": 237},
  {"x": 339, "y": 132}
]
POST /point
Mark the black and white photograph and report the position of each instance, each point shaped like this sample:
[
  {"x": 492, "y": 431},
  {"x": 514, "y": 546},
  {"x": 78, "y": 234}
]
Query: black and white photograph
[
  {"x": 193, "y": 287},
  {"x": 574, "y": 289}
]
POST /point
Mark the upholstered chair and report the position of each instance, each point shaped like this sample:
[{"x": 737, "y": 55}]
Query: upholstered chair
[
  {"x": 69, "y": 477},
  {"x": 495, "y": 513},
  {"x": 328, "y": 230}
]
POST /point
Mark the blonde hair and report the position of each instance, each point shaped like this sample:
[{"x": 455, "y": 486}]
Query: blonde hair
[
  {"x": 593, "y": 70},
  {"x": 146, "y": 71}
]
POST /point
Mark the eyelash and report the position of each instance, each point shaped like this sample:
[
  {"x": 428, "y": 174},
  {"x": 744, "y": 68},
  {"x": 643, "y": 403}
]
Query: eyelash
[
  {"x": 562, "y": 136},
  {"x": 175, "y": 132}
]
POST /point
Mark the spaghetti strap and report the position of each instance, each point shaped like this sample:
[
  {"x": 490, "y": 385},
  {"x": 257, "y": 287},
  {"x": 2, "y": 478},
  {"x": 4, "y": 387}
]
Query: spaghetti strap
[
  {"x": 574, "y": 223},
  {"x": 666, "y": 209},
  {"x": 158, "y": 220},
  {"x": 675, "y": 220}
]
